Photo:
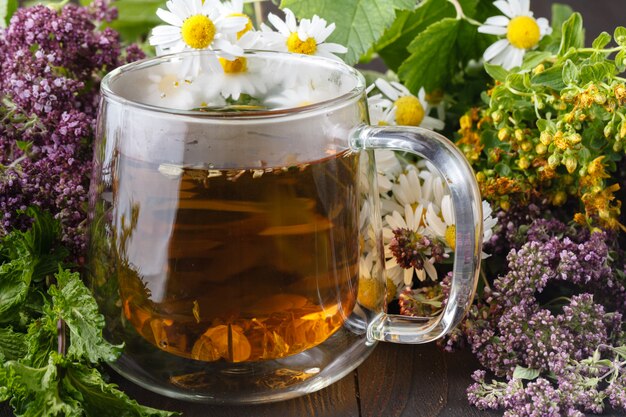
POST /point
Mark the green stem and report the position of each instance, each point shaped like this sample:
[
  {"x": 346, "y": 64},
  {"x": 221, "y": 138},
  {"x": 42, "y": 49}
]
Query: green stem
[
  {"x": 461, "y": 15},
  {"x": 606, "y": 51}
]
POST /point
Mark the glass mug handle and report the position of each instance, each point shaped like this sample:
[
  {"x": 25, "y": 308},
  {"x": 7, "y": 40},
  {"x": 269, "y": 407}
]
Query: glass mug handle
[{"x": 467, "y": 206}]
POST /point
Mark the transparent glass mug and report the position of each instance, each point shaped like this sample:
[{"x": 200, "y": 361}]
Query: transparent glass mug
[{"x": 227, "y": 241}]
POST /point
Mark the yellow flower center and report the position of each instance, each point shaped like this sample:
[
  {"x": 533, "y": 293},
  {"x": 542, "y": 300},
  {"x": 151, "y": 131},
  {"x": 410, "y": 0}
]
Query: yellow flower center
[
  {"x": 523, "y": 32},
  {"x": 246, "y": 28},
  {"x": 409, "y": 111},
  {"x": 198, "y": 31},
  {"x": 307, "y": 47},
  {"x": 451, "y": 237},
  {"x": 235, "y": 66}
]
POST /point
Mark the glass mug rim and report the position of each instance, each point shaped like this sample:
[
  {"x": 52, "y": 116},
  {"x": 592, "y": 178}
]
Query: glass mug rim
[{"x": 337, "y": 101}]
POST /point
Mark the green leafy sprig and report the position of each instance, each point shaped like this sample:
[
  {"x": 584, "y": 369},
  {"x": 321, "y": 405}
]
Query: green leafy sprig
[
  {"x": 555, "y": 129},
  {"x": 51, "y": 333}
]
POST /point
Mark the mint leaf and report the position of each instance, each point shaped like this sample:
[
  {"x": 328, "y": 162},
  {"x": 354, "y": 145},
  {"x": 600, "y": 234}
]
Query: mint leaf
[
  {"x": 72, "y": 301},
  {"x": 7, "y": 8},
  {"x": 15, "y": 278},
  {"x": 427, "y": 67},
  {"x": 573, "y": 35},
  {"x": 101, "y": 399},
  {"x": 12, "y": 344},
  {"x": 525, "y": 373},
  {"x": 360, "y": 23},
  {"x": 36, "y": 391}
]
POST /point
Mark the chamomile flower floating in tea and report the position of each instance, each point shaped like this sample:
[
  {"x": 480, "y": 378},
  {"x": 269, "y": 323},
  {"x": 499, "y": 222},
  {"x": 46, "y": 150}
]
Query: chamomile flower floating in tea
[
  {"x": 523, "y": 33},
  {"x": 406, "y": 109},
  {"x": 197, "y": 25},
  {"x": 308, "y": 37}
]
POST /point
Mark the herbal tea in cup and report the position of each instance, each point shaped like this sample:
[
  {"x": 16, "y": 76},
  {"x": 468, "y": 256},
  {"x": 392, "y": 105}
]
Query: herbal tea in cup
[{"x": 233, "y": 216}]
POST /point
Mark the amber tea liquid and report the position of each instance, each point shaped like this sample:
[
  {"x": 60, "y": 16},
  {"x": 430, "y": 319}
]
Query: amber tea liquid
[{"x": 237, "y": 264}]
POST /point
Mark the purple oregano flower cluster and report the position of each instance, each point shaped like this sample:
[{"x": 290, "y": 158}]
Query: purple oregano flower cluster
[
  {"x": 570, "y": 349},
  {"x": 51, "y": 63}
]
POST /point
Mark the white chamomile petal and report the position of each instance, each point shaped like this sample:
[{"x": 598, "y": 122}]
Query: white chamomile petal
[
  {"x": 498, "y": 21},
  {"x": 495, "y": 49},
  {"x": 280, "y": 25},
  {"x": 492, "y": 30},
  {"x": 430, "y": 270},
  {"x": 432, "y": 123},
  {"x": 169, "y": 17},
  {"x": 504, "y": 7}
]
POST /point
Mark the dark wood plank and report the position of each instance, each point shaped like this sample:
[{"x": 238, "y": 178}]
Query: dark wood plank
[{"x": 417, "y": 380}]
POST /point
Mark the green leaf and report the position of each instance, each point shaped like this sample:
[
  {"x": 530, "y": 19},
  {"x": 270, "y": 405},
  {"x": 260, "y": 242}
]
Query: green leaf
[
  {"x": 620, "y": 35},
  {"x": 570, "y": 73},
  {"x": 12, "y": 344},
  {"x": 503, "y": 170},
  {"x": 620, "y": 60},
  {"x": 360, "y": 23},
  {"x": 496, "y": 72},
  {"x": 560, "y": 13},
  {"x": 427, "y": 67},
  {"x": 136, "y": 18},
  {"x": 573, "y": 35},
  {"x": 601, "y": 41},
  {"x": 525, "y": 373},
  {"x": 392, "y": 46},
  {"x": 15, "y": 278},
  {"x": 620, "y": 350},
  {"x": 104, "y": 400},
  {"x": 73, "y": 302},
  {"x": 551, "y": 78},
  {"x": 36, "y": 391},
  {"x": 597, "y": 72},
  {"x": 534, "y": 58},
  {"x": 7, "y": 8}
]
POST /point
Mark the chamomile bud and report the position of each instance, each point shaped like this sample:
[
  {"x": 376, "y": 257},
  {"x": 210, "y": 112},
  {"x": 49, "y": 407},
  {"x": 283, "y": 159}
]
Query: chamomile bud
[
  {"x": 504, "y": 134},
  {"x": 519, "y": 135}
]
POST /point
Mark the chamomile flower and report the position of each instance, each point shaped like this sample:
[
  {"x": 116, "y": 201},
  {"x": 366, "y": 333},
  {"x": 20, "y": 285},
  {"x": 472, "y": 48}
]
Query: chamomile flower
[
  {"x": 307, "y": 38},
  {"x": 234, "y": 8},
  {"x": 407, "y": 109},
  {"x": 412, "y": 221},
  {"x": 523, "y": 33},
  {"x": 440, "y": 220},
  {"x": 197, "y": 25},
  {"x": 443, "y": 225}
]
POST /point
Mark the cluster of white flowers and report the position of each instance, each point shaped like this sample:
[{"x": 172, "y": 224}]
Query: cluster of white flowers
[
  {"x": 413, "y": 196},
  {"x": 225, "y": 28}
]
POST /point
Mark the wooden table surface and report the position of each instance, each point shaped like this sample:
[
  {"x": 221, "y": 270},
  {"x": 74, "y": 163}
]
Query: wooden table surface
[{"x": 395, "y": 381}]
